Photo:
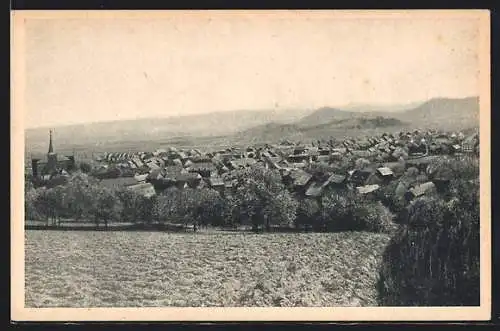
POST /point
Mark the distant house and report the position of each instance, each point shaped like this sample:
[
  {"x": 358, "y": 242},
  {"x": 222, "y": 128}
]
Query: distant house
[
  {"x": 317, "y": 188},
  {"x": 216, "y": 183},
  {"x": 205, "y": 169},
  {"x": 420, "y": 190},
  {"x": 360, "y": 177},
  {"x": 385, "y": 173},
  {"x": 118, "y": 183},
  {"x": 421, "y": 163},
  {"x": 144, "y": 189},
  {"x": 297, "y": 179},
  {"x": 242, "y": 163},
  {"x": 367, "y": 190},
  {"x": 471, "y": 144}
]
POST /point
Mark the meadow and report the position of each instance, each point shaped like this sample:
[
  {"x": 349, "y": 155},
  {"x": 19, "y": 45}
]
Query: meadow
[{"x": 147, "y": 269}]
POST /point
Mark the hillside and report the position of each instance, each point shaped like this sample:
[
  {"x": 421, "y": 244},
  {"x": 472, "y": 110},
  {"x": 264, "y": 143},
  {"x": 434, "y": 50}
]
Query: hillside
[
  {"x": 274, "y": 132},
  {"x": 443, "y": 113},
  {"x": 245, "y": 126},
  {"x": 181, "y": 130}
]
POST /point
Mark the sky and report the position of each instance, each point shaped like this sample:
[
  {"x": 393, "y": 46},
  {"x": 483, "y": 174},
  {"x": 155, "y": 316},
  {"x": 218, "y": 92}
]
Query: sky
[{"x": 98, "y": 69}]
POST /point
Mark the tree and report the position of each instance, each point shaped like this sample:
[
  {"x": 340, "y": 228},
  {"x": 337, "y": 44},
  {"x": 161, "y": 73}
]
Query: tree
[
  {"x": 262, "y": 199},
  {"x": 85, "y": 167},
  {"x": 30, "y": 208},
  {"x": 79, "y": 197},
  {"x": 106, "y": 206},
  {"x": 437, "y": 253},
  {"x": 308, "y": 213}
]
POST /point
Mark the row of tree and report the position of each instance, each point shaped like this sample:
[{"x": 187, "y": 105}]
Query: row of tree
[{"x": 260, "y": 201}]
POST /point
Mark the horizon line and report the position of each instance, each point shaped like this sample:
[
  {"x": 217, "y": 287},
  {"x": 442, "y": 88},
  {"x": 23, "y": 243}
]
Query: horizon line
[{"x": 173, "y": 116}]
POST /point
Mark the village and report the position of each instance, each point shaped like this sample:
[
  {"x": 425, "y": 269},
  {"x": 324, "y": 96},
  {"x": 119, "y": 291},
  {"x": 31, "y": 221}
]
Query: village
[{"x": 307, "y": 170}]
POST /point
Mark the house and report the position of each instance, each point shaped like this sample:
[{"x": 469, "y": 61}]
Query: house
[
  {"x": 420, "y": 190},
  {"x": 471, "y": 144},
  {"x": 367, "y": 190},
  {"x": 190, "y": 179},
  {"x": 242, "y": 163},
  {"x": 317, "y": 188},
  {"x": 385, "y": 173},
  {"x": 216, "y": 183},
  {"x": 360, "y": 177},
  {"x": 145, "y": 189},
  {"x": 118, "y": 183},
  {"x": 421, "y": 163},
  {"x": 297, "y": 178},
  {"x": 205, "y": 169}
]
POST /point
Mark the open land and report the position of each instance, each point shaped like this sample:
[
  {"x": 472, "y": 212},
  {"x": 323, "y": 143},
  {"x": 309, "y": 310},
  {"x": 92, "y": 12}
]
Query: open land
[{"x": 146, "y": 269}]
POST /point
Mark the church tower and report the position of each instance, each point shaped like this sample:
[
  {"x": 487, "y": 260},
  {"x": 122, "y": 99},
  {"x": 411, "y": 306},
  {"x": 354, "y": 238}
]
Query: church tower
[{"x": 51, "y": 156}]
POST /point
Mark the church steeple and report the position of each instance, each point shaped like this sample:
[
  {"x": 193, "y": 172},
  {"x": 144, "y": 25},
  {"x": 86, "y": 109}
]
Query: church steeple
[{"x": 51, "y": 147}]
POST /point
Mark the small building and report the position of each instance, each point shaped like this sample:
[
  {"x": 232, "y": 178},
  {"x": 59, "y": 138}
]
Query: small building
[
  {"x": 420, "y": 190},
  {"x": 145, "y": 189}
]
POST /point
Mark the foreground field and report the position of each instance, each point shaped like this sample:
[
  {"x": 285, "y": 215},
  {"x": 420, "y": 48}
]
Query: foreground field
[{"x": 134, "y": 269}]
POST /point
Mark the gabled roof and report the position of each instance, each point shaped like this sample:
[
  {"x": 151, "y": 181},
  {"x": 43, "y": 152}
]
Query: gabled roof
[
  {"x": 300, "y": 177},
  {"x": 367, "y": 189},
  {"x": 200, "y": 166},
  {"x": 384, "y": 171},
  {"x": 119, "y": 182},
  {"x": 422, "y": 189},
  {"x": 337, "y": 179},
  {"x": 145, "y": 189},
  {"x": 216, "y": 181}
]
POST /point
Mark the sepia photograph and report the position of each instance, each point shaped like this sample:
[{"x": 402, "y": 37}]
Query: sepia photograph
[{"x": 274, "y": 165}]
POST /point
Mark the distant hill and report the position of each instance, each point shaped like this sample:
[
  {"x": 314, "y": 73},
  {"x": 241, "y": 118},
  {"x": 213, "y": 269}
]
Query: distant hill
[
  {"x": 444, "y": 113},
  {"x": 275, "y": 132},
  {"x": 103, "y": 135},
  {"x": 246, "y": 126},
  {"x": 367, "y": 107}
]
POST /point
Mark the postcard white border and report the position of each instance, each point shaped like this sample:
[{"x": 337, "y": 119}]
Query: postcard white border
[{"x": 20, "y": 313}]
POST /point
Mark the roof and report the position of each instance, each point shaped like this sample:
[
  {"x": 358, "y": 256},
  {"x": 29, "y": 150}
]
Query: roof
[
  {"x": 367, "y": 189},
  {"x": 145, "y": 189},
  {"x": 315, "y": 189},
  {"x": 188, "y": 176},
  {"x": 118, "y": 182},
  {"x": 200, "y": 166},
  {"x": 422, "y": 189},
  {"x": 216, "y": 181},
  {"x": 360, "y": 175},
  {"x": 172, "y": 172},
  {"x": 337, "y": 179},
  {"x": 423, "y": 160},
  {"x": 300, "y": 177},
  {"x": 243, "y": 162},
  {"x": 60, "y": 158},
  {"x": 384, "y": 171},
  {"x": 141, "y": 178}
]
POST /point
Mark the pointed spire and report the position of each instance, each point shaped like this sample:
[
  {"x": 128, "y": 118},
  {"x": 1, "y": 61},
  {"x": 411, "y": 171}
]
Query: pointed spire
[{"x": 51, "y": 148}]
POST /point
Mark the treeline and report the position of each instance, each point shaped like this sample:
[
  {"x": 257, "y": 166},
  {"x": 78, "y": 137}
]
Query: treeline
[
  {"x": 260, "y": 201},
  {"x": 433, "y": 259}
]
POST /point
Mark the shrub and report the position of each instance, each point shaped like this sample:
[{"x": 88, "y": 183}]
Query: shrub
[
  {"x": 352, "y": 212},
  {"x": 375, "y": 217},
  {"x": 434, "y": 259},
  {"x": 308, "y": 213}
]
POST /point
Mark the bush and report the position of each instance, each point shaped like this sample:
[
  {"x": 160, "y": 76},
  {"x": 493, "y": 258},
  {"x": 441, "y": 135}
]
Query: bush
[
  {"x": 434, "y": 259},
  {"x": 308, "y": 213},
  {"x": 375, "y": 217},
  {"x": 352, "y": 212}
]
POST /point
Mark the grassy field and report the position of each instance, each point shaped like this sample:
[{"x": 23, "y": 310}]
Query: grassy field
[{"x": 137, "y": 269}]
